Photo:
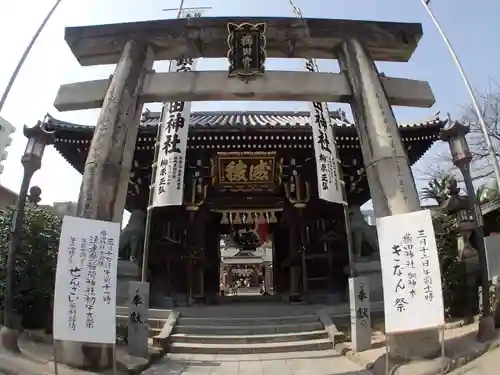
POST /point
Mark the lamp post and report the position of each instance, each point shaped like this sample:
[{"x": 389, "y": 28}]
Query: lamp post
[
  {"x": 482, "y": 123},
  {"x": 38, "y": 139},
  {"x": 454, "y": 133}
]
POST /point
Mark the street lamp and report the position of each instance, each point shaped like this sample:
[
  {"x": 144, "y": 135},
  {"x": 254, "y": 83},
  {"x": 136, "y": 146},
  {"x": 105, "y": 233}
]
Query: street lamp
[
  {"x": 38, "y": 139},
  {"x": 454, "y": 133}
]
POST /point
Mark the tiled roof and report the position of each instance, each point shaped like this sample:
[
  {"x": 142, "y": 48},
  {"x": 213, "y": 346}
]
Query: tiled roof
[
  {"x": 247, "y": 118},
  {"x": 268, "y": 119},
  {"x": 260, "y": 119}
]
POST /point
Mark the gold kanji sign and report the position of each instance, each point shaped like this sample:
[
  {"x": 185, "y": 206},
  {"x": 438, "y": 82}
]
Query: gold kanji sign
[
  {"x": 247, "y": 54},
  {"x": 237, "y": 169}
]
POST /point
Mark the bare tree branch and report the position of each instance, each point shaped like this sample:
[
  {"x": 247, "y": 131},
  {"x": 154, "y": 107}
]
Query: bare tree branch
[{"x": 489, "y": 103}]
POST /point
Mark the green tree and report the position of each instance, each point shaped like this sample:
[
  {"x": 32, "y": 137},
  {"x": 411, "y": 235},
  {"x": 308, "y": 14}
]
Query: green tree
[
  {"x": 452, "y": 269},
  {"x": 436, "y": 189},
  {"x": 35, "y": 263}
]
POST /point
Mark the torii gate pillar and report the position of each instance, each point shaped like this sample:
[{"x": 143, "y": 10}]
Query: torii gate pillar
[
  {"x": 107, "y": 171},
  {"x": 384, "y": 156}
]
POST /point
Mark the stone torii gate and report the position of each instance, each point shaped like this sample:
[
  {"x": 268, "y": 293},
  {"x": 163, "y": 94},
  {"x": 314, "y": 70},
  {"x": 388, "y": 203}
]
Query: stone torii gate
[{"x": 133, "y": 47}]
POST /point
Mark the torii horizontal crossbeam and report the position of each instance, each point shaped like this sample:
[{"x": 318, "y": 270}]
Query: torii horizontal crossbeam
[
  {"x": 217, "y": 86},
  {"x": 207, "y": 37}
]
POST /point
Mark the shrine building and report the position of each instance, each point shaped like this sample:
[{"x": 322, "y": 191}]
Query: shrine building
[{"x": 250, "y": 178}]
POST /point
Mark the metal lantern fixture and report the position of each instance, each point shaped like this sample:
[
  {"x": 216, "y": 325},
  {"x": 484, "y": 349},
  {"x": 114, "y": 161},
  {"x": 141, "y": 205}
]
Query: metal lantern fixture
[
  {"x": 454, "y": 133},
  {"x": 38, "y": 138}
]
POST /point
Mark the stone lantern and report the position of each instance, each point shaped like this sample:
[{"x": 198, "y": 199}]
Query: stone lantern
[
  {"x": 458, "y": 207},
  {"x": 454, "y": 133}
]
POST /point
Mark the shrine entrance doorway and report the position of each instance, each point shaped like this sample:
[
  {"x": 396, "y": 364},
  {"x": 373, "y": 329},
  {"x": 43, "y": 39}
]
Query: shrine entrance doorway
[
  {"x": 246, "y": 256},
  {"x": 251, "y": 216}
]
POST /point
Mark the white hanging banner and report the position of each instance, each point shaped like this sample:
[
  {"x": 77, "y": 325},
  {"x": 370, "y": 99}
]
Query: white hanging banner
[
  {"x": 174, "y": 122},
  {"x": 85, "y": 285},
  {"x": 411, "y": 275},
  {"x": 492, "y": 247},
  {"x": 325, "y": 150}
]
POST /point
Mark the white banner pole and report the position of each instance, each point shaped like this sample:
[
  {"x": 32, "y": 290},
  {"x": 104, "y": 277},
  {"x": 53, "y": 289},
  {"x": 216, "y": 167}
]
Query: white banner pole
[{"x": 154, "y": 166}]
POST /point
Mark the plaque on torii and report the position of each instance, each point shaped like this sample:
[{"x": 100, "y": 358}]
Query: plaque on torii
[{"x": 246, "y": 53}]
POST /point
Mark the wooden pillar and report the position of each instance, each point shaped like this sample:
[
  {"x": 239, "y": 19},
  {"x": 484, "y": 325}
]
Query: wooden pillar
[
  {"x": 200, "y": 222},
  {"x": 301, "y": 228},
  {"x": 295, "y": 260},
  {"x": 107, "y": 170},
  {"x": 280, "y": 253}
]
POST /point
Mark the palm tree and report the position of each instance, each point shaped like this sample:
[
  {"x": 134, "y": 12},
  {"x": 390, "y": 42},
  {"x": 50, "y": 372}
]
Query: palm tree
[
  {"x": 486, "y": 194},
  {"x": 482, "y": 194},
  {"x": 437, "y": 189}
]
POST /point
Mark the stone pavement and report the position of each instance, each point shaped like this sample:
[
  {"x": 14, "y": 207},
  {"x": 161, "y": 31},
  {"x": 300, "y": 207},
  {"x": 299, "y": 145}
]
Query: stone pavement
[
  {"x": 325, "y": 362},
  {"x": 487, "y": 364},
  {"x": 460, "y": 344}
]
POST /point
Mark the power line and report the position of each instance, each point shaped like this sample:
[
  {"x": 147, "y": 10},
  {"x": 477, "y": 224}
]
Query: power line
[
  {"x": 26, "y": 52},
  {"x": 484, "y": 128}
]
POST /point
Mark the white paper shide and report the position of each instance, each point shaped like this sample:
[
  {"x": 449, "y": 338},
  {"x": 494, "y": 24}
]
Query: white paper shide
[
  {"x": 411, "y": 275},
  {"x": 85, "y": 286}
]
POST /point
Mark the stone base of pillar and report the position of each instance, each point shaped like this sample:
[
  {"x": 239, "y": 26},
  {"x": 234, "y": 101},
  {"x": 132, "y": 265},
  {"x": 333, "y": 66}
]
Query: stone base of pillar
[
  {"x": 372, "y": 271},
  {"x": 166, "y": 302},
  {"x": 127, "y": 271},
  {"x": 8, "y": 339},
  {"x": 95, "y": 357},
  {"x": 294, "y": 295},
  {"x": 88, "y": 357},
  {"x": 401, "y": 366},
  {"x": 486, "y": 329}
]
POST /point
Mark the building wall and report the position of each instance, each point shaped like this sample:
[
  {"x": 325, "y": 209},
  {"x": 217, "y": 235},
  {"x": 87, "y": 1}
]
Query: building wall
[
  {"x": 65, "y": 208},
  {"x": 369, "y": 216},
  {"x": 7, "y": 198},
  {"x": 6, "y": 129}
]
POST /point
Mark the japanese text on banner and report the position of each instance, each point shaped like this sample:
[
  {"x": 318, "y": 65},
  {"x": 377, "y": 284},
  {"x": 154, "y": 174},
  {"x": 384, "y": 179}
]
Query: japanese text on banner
[
  {"x": 85, "y": 287},
  {"x": 325, "y": 149},
  {"x": 170, "y": 165},
  {"x": 174, "y": 122},
  {"x": 410, "y": 272}
]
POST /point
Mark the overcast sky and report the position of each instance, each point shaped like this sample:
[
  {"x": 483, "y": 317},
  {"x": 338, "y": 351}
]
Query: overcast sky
[{"x": 473, "y": 28}]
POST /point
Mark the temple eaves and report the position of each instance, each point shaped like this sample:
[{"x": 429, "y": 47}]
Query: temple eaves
[{"x": 248, "y": 119}]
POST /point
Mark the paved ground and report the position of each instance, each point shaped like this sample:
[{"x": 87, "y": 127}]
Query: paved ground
[
  {"x": 250, "y": 291},
  {"x": 304, "y": 363},
  {"x": 487, "y": 364}
]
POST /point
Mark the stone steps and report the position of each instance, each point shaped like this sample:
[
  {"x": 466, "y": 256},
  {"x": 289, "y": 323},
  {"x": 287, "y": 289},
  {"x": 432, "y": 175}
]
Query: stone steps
[
  {"x": 254, "y": 329},
  {"x": 266, "y": 347},
  {"x": 245, "y": 334},
  {"x": 249, "y": 339},
  {"x": 156, "y": 321},
  {"x": 248, "y": 321}
]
